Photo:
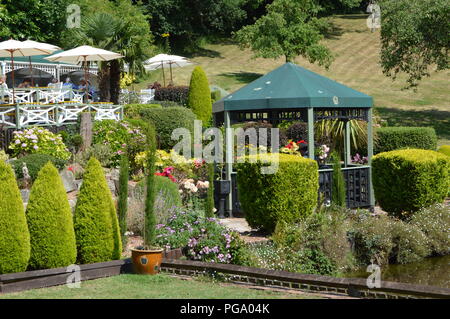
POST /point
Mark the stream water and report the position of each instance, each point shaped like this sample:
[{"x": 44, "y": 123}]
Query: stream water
[{"x": 434, "y": 271}]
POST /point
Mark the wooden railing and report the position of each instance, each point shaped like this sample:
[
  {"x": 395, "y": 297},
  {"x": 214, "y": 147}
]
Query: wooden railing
[{"x": 24, "y": 115}]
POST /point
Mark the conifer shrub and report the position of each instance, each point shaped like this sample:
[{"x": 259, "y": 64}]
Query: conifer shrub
[
  {"x": 14, "y": 235},
  {"x": 405, "y": 181},
  {"x": 209, "y": 203},
  {"x": 199, "y": 98},
  {"x": 50, "y": 222},
  {"x": 93, "y": 224},
  {"x": 123, "y": 196},
  {"x": 150, "y": 218},
  {"x": 288, "y": 195},
  {"x": 338, "y": 183}
]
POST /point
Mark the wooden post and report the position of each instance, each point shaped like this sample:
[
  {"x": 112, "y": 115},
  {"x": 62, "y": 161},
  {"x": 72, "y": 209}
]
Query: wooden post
[
  {"x": 311, "y": 132},
  {"x": 229, "y": 159},
  {"x": 370, "y": 155},
  {"x": 86, "y": 131}
]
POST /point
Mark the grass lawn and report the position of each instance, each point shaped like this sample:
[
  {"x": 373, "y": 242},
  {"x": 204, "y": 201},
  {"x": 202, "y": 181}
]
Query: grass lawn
[
  {"x": 150, "y": 287},
  {"x": 356, "y": 64}
]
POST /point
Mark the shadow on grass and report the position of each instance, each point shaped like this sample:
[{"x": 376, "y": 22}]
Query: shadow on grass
[
  {"x": 241, "y": 77},
  {"x": 352, "y": 16},
  {"x": 440, "y": 120}
]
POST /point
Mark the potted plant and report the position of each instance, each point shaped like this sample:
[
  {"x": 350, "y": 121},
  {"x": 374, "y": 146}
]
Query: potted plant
[{"x": 147, "y": 258}]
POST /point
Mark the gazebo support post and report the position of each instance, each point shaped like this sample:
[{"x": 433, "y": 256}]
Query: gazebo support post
[
  {"x": 229, "y": 161},
  {"x": 311, "y": 132},
  {"x": 369, "y": 155},
  {"x": 347, "y": 145}
]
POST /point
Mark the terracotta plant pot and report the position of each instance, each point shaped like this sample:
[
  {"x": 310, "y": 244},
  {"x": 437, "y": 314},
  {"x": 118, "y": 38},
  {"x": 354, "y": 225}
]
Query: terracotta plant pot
[{"x": 147, "y": 262}]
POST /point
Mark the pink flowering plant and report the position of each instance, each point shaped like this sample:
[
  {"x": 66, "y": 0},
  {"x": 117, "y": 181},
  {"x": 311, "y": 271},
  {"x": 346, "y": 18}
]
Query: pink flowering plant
[
  {"x": 201, "y": 238},
  {"x": 38, "y": 140},
  {"x": 121, "y": 137}
]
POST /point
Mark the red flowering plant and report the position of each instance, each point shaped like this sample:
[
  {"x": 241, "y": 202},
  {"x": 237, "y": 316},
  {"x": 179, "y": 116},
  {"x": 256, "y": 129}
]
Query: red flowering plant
[
  {"x": 167, "y": 172},
  {"x": 295, "y": 148}
]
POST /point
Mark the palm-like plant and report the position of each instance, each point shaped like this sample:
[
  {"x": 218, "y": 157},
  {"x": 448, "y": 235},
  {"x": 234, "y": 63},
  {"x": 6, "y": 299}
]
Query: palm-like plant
[{"x": 118, "y": 34}]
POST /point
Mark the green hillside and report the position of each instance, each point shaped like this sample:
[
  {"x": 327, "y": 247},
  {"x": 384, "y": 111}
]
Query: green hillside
[{"x": 356, "y": 64}]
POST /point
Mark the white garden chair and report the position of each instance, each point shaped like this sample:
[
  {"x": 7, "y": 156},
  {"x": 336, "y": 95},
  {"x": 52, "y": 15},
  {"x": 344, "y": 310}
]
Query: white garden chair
[{"x": 146, "y": 96}]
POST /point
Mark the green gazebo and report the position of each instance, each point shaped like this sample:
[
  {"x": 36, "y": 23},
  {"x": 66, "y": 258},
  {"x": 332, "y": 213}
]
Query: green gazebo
[{"x": 293, "y": 93}]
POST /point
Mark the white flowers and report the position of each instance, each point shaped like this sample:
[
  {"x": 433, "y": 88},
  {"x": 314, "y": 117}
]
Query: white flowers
[
  {"x": 189, "y": 185},
  {"x": 323, "y": 152}
]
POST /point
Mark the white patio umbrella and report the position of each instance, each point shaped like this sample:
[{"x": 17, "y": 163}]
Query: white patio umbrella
[
  {"x": 83, "y": 54},
  {"x": 45, "y": 47},
  {"x": 13, "y": 48},
  {"x": 166, "y": 61}
]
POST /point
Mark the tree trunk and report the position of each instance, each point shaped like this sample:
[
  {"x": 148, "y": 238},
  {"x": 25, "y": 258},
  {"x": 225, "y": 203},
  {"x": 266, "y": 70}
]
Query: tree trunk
[
  {"x": 114, "y": 81},
  {"x": 86, "y": 131},
  {"x": 103, "y": 77}
]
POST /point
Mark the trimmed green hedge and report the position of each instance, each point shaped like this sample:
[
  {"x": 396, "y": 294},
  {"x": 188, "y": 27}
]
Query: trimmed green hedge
[
  {"x": 132, "y": 111},
  {"x": 14, "y": 235},
  {"x": 35, "y": 162},
  {"x": 405, "y": 181},
  {"x": 199, "y": 98},
  {"x": 444, "y": 149},
  {"x": 50, "y": 222},
  {"x": 95, "y": 232},
  {"x": 394, "y": 138},
  {"x": 288, "y": 195},
  {"x": 168, "y": 119}
]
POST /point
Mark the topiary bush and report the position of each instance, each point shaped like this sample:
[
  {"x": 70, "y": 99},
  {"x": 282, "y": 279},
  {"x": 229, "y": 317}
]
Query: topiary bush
[
  {"x": 94, "y": 229},
  {"x": 338, "y": 193},
  {"x": 122, "y": 204},
  {"x": 14, "y": 235},
  {"x": 288, "y": 195},
  {"x": 444, "y": 149},
  {"x": 35, "y": 162},
  {"x": 393, "y": 138},
  {"x": 132, "y": 111},
  {"x": 50, "y": 223},
  {"x": 166, "y": 120},
  {"x": 404, "y": 181},
  {"x": 199, "y": 98}
]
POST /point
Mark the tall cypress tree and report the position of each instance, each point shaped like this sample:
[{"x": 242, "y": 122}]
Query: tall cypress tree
[
  {"x": 209, "y": 204},
  {"x": 338, "y": 182},
  {"x": 199, "y": 99},
  {"x": 123, "y": 196},
  {"x": 150, "y": 218}
]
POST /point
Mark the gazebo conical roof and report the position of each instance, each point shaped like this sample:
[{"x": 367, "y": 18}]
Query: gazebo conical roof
[{"x": 291, "y": 86}]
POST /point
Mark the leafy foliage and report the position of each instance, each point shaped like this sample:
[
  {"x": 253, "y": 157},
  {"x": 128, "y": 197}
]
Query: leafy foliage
[
  {"x": 270, "y": 198},
  {"x": 166, "y": 120},
  {"x": 414, "y": 38},
  {"x": 50, "y": 222},
  {"x": 92, "y": 219},
  {"x": 14, "y": 235},
  {"x": 290, "y": 29},
  {"x": 209, "y": 203},
  {"x": 34, "y": 163},
  {"x": 444, "y": 149},
  {"x": 405, "y": 181},
  {"x": 178, "y": 94},
  {"x": 133, "y": 110},
  {"x": 199, "y": 99},
  {"x": 393, "y": 138}
]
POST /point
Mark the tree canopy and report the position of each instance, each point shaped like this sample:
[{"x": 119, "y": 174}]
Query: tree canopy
[
  {"x": 415, "y": 38},
  {"x": 290, "y": 28}
]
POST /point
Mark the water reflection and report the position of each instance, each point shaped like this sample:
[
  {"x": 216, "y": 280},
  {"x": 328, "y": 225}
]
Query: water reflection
[{"x": 433, "y": 271}]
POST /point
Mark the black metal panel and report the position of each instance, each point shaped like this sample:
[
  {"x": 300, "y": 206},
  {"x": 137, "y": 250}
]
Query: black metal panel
[{"x": 357, "y": 186}]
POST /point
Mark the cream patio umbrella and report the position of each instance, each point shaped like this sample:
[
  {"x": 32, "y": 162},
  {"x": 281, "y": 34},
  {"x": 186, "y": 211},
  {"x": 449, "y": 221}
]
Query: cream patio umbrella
[
  {"x": 13, "y": 48},
  {"x": 84, "y": 54},
  {"x": 166, "y": 61},
  {"x": 45, "y": 47}
]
